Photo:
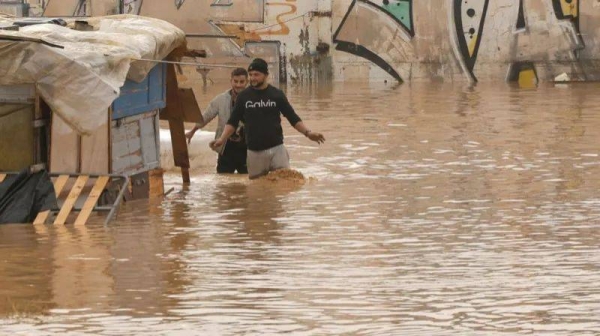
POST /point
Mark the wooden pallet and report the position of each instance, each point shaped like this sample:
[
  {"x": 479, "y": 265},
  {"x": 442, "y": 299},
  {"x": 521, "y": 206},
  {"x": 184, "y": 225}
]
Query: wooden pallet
[
  {"x": 74, "y": 194},
  {"x": 82, "y": 189}
]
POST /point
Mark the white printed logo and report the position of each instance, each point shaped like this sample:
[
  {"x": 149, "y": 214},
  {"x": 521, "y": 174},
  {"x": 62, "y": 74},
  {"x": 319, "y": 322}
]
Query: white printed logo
[{"x": 261, "y": 103}]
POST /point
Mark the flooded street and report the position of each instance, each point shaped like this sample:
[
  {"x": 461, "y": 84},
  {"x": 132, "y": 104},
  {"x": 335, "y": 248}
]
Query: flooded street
[{"x": 432, "y": 209}]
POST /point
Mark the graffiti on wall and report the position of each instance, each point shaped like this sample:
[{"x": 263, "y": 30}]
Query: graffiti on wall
[
  {"x": 179, "y": 3},
  {"x": 282, "y": 27},
  {"x": 469, "y": 20},
  {"x": 366, "y": 31},
  {"x": 132, "y": 6},
  {"x": 399, "y": 10},
  {"x": 247, "y": 33},
  {"x": 222, "y": 3},
  {"x": 398, "y": 14},
  {"x": 244, "y": 11},
  {"x": 568, "y": 10},
  {"x": 521, "y": 24}
]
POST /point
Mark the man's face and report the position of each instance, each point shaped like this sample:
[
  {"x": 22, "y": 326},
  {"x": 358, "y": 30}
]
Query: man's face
[
  {"x": 257, "y": 78},
  {"x": 238, "y": 83}
]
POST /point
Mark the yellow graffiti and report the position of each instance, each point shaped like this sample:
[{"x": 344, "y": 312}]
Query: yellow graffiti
[
  {"x": 569, "y": 8},
  {"x": 527, "y": 79},
  {"x": 283, "y": 27},
  {"x": 472, "y": 45},
  {"x": 242, "y": 35}
]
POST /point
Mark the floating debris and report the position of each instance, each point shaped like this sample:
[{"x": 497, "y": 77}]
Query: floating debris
[{"x": 288, "y": 175}]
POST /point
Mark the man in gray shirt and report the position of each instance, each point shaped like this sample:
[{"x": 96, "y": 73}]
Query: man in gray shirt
[{"x": 233, "y": 153}]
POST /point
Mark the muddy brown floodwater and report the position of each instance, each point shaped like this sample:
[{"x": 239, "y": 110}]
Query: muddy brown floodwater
[{"x": 432, "y": 209}]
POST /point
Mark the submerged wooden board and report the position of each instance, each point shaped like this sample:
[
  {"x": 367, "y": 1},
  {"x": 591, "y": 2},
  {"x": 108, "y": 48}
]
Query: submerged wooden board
[
  {"x": 71, "y": 199},
  {"x": 157, "y": 187},
  {"x": 59, "y": 184},
  {"x": 91, "y": 201}
]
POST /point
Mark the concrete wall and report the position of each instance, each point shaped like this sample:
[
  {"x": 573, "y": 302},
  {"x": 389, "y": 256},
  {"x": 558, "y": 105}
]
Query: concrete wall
[
  {"x": 405, "y": 40},
  {"x": 474, "y": 40}
]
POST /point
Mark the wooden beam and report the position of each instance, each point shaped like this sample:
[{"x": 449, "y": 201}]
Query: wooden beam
[
  {"x": 71, "y": 199},
  {"x": 59, "y": 184},
  {"x": 180, "y": 153},
  {"x": 174, "y": 113},
  {"x": 173, "y": 110},
  {"x": 189, "y": 104},
  {"x": 91, "y": 201}
]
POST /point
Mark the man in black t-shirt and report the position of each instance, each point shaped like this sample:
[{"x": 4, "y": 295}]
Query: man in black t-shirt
[{"x": 260, "y": 108}]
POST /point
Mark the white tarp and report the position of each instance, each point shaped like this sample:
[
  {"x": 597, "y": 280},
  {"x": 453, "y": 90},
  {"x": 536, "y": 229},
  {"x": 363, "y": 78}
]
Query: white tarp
[{"x": 82, "y": 80}]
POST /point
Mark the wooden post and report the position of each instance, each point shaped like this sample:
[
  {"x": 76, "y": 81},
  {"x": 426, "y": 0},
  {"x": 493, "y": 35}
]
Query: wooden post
[{"x": 174, "y": 113}]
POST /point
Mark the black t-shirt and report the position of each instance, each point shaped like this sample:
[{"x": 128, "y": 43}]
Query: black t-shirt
[{"x": 261, "y": 111}]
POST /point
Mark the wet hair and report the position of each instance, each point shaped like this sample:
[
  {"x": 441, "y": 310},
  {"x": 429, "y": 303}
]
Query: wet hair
[{"x": 239, "y": 72}]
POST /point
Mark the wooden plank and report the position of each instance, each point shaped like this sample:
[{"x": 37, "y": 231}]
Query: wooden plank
[
  {"x": 41, "y": 217},
  {"x": 110, "y": 143},
  {"x": 59, "y": 184},
  {"x": 189, "y": 104},
  {"x": 37, "y": 139},
  {"x": 157, "y": 187},
  {"x": 71, "y": 199},
  {"x": 64, "y": 148},
  {"x": 174, "y": 113},
  {"x": 148, "y": 135},
  {"x": 95, "y": 151},
  {"x": 173, "y": 110},
  {"x": 79, "y": 153},
  {"x": 91, "y": 201},
  {"x": 140, "y": 186},
  {"x": 180, "y": 152}
]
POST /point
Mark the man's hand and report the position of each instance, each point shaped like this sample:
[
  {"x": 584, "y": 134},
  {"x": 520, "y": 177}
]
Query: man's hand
[
  {"x": 189, "y": 135},
  {"x": 316, "y": 137},
  {"x": 216, "y": 143}
]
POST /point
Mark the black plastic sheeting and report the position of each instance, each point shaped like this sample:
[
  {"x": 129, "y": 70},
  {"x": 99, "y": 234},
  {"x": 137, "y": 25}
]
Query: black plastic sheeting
[{"x": 24, "y": 195}]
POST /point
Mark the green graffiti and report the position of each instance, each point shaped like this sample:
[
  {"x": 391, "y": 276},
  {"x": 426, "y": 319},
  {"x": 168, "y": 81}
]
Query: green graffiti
[{"x": 400, "y": 9}]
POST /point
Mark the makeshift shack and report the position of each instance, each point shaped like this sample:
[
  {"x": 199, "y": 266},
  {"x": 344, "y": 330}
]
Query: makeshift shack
[{"x": 85, "y": 98}]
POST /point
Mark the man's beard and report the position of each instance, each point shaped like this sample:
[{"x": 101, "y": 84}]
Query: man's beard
[{"x": 258, "y": 84}]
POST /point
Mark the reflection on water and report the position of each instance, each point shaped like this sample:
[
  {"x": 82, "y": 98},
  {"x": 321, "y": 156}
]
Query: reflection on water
[{"x": 433, "y": 209}]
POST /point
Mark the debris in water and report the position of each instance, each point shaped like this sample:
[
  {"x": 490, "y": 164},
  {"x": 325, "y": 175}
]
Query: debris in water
[
  {"x": 288, "y": 175},
  {"x": 563, "y": 77}
]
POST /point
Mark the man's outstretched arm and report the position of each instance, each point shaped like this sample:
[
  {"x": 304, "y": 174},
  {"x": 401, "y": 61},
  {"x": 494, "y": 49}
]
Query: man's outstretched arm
[{"x": 314, "y": 136}]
